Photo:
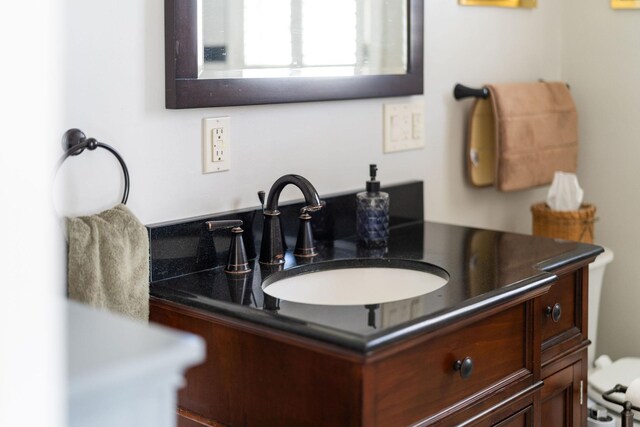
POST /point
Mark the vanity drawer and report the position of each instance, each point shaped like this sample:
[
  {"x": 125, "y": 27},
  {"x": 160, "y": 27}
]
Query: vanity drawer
[
  {"x": 559, "y": 308},
  {"x": 423, "y": 381},
  {"x": 562, "y": 315}
]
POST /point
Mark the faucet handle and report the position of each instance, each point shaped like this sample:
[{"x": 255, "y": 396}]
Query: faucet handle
[
  {"x": 261, "y": 195},
  {"x": 237, "y": 260},
  {"x": 222, "y": 224},
  {"x": 305, "y": 244}
]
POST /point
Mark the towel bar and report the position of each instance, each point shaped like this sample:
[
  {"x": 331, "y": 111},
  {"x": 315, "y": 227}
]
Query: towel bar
[
  {"x": 74, "y": 142},
  {"x": 461, "y": 91},
  {"x": 499, "y": 153}
]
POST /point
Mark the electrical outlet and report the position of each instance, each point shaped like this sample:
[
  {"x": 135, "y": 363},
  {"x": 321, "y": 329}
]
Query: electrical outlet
[
  {"x": 403, "y": 127},
  {"x": 216, "y": 144}
]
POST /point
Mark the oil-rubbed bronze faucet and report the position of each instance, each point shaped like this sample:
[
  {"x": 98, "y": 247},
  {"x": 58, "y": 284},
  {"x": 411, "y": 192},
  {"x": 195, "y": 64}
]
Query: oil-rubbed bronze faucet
[{"x": 272, "y": 248}]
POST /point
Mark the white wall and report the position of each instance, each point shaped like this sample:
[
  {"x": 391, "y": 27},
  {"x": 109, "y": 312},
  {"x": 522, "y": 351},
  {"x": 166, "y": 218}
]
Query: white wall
[
  {"x": 474, "y": 46},
  {"x": 114, "y": 91},
  {"x": 601, "y": 61}
]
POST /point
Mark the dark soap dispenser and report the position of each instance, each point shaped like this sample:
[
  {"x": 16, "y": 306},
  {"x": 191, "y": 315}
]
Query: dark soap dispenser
[{"x": 372, "y": 214}]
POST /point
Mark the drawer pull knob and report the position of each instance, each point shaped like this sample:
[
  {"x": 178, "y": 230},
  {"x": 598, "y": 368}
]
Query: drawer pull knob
[
  {"x": 464, "y": 366},
  {"x": 554, "y": 312}
]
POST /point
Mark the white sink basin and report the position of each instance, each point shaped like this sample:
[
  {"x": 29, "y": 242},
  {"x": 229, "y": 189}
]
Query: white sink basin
[{"x": 356, "y": 285}]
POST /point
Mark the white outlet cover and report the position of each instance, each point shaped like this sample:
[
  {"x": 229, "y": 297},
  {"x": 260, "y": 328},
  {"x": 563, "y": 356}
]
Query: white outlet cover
[{"x": 216, "y": 144}]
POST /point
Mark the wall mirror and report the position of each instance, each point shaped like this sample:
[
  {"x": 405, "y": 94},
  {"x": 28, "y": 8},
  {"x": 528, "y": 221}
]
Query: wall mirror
[{"x": 245, "y": 52}]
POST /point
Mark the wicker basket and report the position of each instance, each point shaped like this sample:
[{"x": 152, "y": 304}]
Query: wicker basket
[{"x": 572, "y": 225}]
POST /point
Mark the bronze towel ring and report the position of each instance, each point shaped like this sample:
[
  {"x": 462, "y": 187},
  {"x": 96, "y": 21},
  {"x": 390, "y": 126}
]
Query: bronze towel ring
[{"x": 74, "y": 142}]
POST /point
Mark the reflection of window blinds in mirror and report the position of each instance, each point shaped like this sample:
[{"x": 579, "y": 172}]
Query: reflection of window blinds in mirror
[
  {"x": 329, "y": 38},
  {"x": 300, "y": 33},
  {"x": 267, "y": 36}
]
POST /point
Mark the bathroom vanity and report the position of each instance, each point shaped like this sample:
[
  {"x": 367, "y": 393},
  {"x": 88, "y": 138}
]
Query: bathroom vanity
[{"x": 504, "y": 342}]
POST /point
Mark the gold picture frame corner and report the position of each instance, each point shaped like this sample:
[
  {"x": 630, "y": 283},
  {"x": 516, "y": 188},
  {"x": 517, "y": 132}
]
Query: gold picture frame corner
[
  {"x": 527, "y": 4},
  {"x": 625, "y": 4}
]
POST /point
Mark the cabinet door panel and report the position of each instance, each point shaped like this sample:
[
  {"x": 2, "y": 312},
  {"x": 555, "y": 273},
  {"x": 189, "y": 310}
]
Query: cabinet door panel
[{"x": 560, "y": 398}]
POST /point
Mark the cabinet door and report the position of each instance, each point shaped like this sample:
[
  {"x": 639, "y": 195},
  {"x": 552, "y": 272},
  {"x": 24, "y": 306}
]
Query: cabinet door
[
  {"x": 513, "y": 415},
  {"x": 561, "y": 398},
  {"x": 520, "y": 419}
]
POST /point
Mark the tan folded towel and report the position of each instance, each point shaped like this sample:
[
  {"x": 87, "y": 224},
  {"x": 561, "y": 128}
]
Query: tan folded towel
[
  {"x": 108, "y": 265},
  {"x": 536, "y": 133}
]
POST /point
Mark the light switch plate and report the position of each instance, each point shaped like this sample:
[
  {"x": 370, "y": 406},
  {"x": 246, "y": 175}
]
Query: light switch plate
[
  {"x": 403, "y": 127},
  {"x": 216, "y": 144}
]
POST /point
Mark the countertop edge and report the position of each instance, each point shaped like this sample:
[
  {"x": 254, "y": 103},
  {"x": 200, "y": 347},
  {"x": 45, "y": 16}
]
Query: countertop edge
[
  {"x": 468, "y": 309},
  {"x": 355, "y": 342}
]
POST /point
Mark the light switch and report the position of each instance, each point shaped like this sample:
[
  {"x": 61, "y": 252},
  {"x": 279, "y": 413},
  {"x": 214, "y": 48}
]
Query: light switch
[
  {"x": 403, "y": 127},
  {"x": 416, "y": 126},
  {"x": 397, "y": 133}
]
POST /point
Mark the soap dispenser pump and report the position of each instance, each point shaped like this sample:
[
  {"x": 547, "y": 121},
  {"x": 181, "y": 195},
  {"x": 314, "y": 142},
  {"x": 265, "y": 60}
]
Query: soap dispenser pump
[{"x": 372, "y": 213}]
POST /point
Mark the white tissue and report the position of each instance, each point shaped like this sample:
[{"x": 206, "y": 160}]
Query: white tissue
[
  {"x": 565, "y": 193},
  {"x": 633, "y": 392}
]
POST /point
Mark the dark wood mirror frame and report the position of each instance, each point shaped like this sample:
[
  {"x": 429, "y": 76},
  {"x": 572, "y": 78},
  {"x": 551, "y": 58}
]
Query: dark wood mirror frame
[{"x": 184, "y": 90}]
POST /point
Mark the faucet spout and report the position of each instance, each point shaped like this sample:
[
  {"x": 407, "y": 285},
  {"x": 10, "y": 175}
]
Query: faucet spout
[
  {"x": 272, "y": 248},
  {"x": 308, "y": 191}
]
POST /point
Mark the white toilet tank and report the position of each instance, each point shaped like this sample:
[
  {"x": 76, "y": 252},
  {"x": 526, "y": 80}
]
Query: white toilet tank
[{"x": 596, "y": 274}]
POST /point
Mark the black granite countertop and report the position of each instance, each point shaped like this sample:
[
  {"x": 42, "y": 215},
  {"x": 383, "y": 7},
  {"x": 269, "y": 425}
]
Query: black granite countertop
[{"x": 485, "y": 268}]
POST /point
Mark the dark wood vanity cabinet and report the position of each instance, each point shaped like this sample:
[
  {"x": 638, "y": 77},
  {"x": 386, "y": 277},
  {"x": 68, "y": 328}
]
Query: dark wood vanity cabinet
[{"x": 517, "y": 363}]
